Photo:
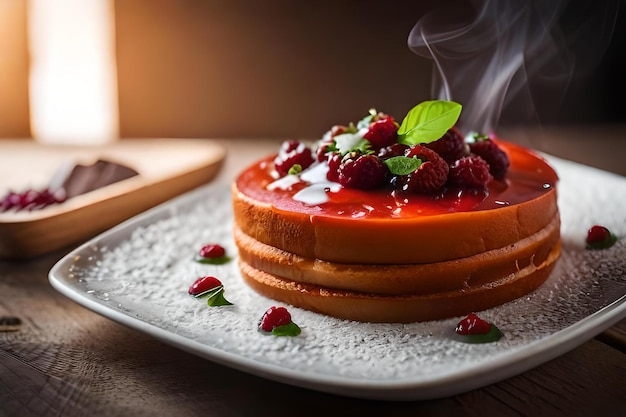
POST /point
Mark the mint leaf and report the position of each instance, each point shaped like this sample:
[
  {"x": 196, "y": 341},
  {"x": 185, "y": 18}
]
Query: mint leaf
[
  {"x": 289, "y": 329},
  {"x": 428, "y": 121},
  {"x": 213, "y": 261},
  {"x": 402, "y": 165},
  {"x": 216, "y": 297}
]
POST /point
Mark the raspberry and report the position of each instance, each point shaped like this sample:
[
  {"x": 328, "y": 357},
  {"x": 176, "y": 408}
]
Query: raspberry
[
  {"x": 364, "y": 172},
  {"x": 470, "y": 171},
  {"x": 472, "y": 324},
  {"x": 292, "y": 152},
  {"x": 334, "y": 162},
  {"x": 396, "y": 149},
  {"x": 497, "y": 159},
  {"x": 274, "y": 317},
  {"x": 451, "y": 146},
  {"x": 382, "y": 132},
  {"x": 322, "y": 152},
  {"x": 339, "y": 130},
  {"x": 431, "y": 175}
]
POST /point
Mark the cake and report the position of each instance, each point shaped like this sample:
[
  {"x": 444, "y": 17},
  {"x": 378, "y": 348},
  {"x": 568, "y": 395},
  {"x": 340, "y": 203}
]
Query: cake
[{"x": 388, "y": 222}]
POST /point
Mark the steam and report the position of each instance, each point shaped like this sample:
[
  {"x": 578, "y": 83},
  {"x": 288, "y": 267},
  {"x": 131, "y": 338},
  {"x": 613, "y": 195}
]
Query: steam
[{"x": 499, "y": 52}]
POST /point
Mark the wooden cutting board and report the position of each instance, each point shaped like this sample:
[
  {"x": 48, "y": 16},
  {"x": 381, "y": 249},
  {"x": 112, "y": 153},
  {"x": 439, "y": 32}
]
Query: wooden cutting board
[{"x": 166, "y": 167}]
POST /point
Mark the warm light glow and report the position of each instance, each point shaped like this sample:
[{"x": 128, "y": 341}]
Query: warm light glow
[{"x": 73, "y": 80}]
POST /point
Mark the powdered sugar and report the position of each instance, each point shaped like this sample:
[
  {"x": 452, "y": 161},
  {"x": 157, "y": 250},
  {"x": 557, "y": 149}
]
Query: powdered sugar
[{"x": 144, "y": 268}]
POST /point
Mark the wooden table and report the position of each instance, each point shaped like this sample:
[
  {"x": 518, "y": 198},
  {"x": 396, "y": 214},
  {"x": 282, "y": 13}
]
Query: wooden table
[{"x": 68, "y": 361}]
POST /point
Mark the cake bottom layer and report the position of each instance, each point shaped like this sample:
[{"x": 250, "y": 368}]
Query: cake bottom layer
[{"x": 401, "y": 293}]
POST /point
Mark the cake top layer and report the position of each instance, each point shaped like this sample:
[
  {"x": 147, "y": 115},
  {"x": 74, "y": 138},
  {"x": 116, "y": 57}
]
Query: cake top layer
[
  {"x": 529, "y": 177},
  {"x": 380, "y": 169}
]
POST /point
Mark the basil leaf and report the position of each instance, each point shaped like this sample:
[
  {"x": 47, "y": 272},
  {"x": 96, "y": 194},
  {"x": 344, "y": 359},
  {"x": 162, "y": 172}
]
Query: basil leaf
[
  {"x": 289, "y": 329},
  {"x": 428, "y": 121},
  {"x": 402, "y": 165},
  {"x": 213, "y": 261},
  {"x": 216, "y": 298}
]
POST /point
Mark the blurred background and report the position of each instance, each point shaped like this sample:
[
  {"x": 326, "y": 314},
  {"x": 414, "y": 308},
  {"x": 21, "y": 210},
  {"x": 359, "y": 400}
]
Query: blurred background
[{"x": 234, "y": 68}]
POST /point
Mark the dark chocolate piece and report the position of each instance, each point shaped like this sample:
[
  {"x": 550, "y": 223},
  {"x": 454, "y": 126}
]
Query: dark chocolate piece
[{"x": 84, "y": 178}]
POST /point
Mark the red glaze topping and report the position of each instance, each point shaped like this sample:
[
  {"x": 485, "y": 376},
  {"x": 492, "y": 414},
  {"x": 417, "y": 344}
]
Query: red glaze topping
[{"x": 529, "y": 177}]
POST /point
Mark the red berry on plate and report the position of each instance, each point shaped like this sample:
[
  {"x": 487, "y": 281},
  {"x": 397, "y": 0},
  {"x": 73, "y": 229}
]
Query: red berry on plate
[
  {"x": 204, "y": 284},
  {"x": 598, "y": 234},
  {"x": 212, "y": 251},
  {"x": 472, "y": 324},
  {"x": 383, "y": 132},
  {"x": 274, "y": 317},
  {"x": 470, "y": 171},
  {"x": 599, "y": 237}
]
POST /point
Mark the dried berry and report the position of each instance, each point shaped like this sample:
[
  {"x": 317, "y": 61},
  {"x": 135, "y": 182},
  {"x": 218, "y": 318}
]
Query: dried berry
[
  {"x": 470, "y": 171},
  {"x": 31, "y": 199}
]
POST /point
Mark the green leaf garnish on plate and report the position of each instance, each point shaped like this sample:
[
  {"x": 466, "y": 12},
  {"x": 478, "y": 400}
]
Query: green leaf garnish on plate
[
  {"x": 289, "y": 329},
  {"x": 215, "y": 297},
  {"x": 213, "y": 261},
  {"x": 402, "y": 165},
  {"x": 428, "y": 121},
  {"x": 604, "y": 244}
]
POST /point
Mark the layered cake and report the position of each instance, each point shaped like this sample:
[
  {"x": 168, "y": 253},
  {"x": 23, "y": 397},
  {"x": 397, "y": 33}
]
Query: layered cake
[{"x": 386, "y": 222}]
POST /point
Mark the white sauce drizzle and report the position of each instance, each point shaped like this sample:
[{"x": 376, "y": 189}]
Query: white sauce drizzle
[{"x": 317, "y": 190}]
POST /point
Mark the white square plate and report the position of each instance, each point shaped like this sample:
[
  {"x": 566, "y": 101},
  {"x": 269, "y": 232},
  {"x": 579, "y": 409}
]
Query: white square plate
[{"x": 138, "y": 274}]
